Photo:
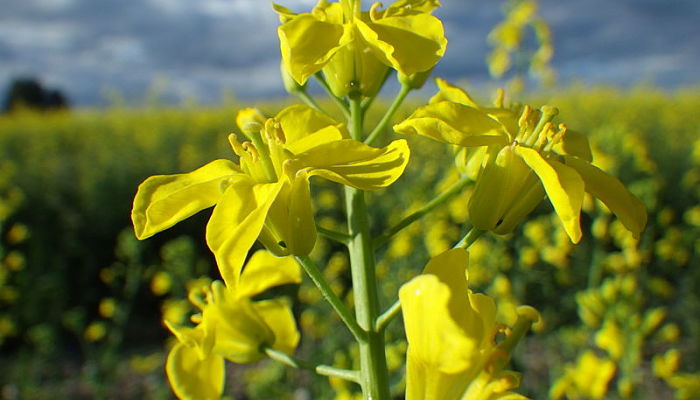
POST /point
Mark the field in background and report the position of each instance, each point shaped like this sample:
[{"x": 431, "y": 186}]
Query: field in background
[{"x": 81, "y": 300}]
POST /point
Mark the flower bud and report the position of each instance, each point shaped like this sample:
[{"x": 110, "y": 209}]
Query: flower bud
[{"x": 354, "y": 70}]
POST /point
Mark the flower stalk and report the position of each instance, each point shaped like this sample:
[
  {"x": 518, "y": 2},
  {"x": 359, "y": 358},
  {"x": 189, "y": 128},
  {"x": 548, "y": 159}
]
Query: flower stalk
[{"x": 374, "y": 371}]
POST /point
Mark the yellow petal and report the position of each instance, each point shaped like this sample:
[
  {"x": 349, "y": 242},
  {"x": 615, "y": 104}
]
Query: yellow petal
[
  {"x": 290, "y": 221},
  {"x": 450, "y": 268},
  {"x": 575, "y": 144},
  {"x": 564, "y": 188},
  {"x": 408, "y": 7},
  {"x": 528, "y": 200},
  {"x": 449, "y": 92},
  {"x": 410, "y": 44},
  {"x": 192, "y": 378},
  {"x": 277, "y": 313},
  {"x": 498, "y": 188},
  {"x": 354, "y": 164},
  {"x": 298, "y": 122},
  {"x": 454, "y": 123},
  {"x": 164, "y": 200},
  {"x": 613, "y": 194},
  {"x": 439, "y": 352},
  {"x": 236, "y": 222},
  {"x": 284, "y": 13},
  {"x": 234, "y": 327},
  {"x": 264, "y": 271},
  {"x": 307, "y": 44}
]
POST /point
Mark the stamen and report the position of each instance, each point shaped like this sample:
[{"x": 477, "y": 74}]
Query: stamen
[
  {"x": 374, "y": 11},
  {"x": 500, "y": 97},
  {"x": 236, "y": 145},
  {"x": 252, "y": 151}
]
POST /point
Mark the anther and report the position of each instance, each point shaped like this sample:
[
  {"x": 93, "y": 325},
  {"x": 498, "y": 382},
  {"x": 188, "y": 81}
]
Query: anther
[{"x": 236, "y": 145}]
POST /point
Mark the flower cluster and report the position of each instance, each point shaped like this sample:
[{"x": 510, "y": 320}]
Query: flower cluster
[{"x": 516, "y": 155}]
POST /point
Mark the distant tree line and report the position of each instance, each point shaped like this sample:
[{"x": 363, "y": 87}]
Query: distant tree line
[{"x": 30, "y": 93}]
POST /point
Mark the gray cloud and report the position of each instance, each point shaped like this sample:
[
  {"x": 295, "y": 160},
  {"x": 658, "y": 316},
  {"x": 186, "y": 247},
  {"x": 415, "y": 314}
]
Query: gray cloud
[{"x": 205, "y": 47}]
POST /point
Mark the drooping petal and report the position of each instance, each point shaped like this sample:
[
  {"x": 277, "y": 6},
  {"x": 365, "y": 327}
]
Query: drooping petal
[
  {"x": 454, "y": 123},
  {"x": 263, "y": 271},
  {"x": 613, "y": 194},
  {"x": 353, "y": 163},
  {"x": 194, "y": 378},
  {"x": 564, "y": 188},
  {"x": 277, "y": 314},
  {"x": 307, "y": 44},
  {"x": 439, "y": 351},
  {"x": 237, "y": 221},
  {"x": 164, "y": 200},
  {"x": 409, "y": 43}
]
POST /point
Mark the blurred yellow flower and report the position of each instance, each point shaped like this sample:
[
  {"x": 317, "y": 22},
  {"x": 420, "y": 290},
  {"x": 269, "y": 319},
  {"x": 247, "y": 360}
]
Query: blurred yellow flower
[
  {"x": 589, "y": 378},
  {"x": 107, "y": 307},
  {"x": 527, "y": 158},
  {"x": 95, "y": 331},
  {"x": 267, "y": 195},
  {"x": 161, "y": 283},
  {"x": 18, "y": 233}
]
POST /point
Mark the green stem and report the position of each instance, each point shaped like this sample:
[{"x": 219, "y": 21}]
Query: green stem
[
  {"x": 343, "y": 312},
  {"x": 374, "y": 371},
  {"x": 442, "y": 198},
  {"x": 325, "y": 370},
  {"x": 309, "y": 101},
  {"x": 340, "y": 237},
  {"x": 381, "y": 126},
  {"x": 388, "y": 316},
  {"x": 340, "y": 102},
  {"x": 469, "y": 238}
]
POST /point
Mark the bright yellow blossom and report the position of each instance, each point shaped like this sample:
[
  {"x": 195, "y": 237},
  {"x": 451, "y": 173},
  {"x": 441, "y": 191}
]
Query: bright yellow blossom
[
  {"x": 451, "y": 332},
  {"x": 266, "y": 195},
  {"x": 354, "y": 49},
  {"x": 233, "y": 327},
  {"x": 527, "y": 158},
  {"x": 589, "y": 378}
]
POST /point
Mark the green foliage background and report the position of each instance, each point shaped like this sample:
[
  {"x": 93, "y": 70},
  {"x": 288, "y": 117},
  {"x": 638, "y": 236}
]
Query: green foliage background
[{"x": 77, "y": 173}]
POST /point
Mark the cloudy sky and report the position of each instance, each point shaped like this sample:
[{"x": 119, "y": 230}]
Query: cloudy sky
[{"x": 199, "y": 49}]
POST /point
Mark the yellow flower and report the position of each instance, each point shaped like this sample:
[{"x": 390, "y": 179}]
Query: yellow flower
[
  {"x": 452, "y": 353},
  {"x": 107, "y": 307},
  {"x": 233, "y": 327},
  {"x": 354, "y": 49},
  {"x": 95, "y": 331},
  {"x": 527, "y": 158},
  {"x": 266, "y": 195},
  {"x": 589, "y": 378}
]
